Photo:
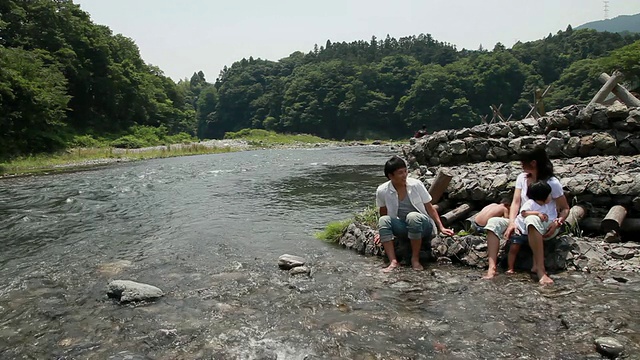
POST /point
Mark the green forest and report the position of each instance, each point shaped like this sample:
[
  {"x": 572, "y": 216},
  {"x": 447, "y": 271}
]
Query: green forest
[{"x": 65, "y": 81}]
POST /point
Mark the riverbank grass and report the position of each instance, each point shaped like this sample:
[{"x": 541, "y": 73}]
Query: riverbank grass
[
  {"x": 264, "y": 138},
  {"x": 88, "y": 157},
  {"x": 334, "y": 230}
]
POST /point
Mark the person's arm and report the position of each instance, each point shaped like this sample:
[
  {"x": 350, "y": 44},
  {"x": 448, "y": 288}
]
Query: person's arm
[
  {"x": 513, "y": 213},
  {"x": 433, "y": 213},
  {"x": 505, "y": 212},
  {"x": 526, "y": 213},
  {"x": 563, "y": 209}
]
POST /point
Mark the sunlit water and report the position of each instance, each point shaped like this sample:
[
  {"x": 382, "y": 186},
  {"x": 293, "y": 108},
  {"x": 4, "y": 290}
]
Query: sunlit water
[{"x": 208, "y": 230}]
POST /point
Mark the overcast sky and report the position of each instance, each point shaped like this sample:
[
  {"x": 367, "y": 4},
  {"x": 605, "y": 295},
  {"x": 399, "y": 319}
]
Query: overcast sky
[{"x": 183, "y": 36}]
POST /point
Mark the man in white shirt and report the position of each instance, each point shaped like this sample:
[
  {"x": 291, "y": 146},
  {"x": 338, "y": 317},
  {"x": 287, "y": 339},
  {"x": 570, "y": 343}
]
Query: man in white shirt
[{"x": 405, "y": 211}]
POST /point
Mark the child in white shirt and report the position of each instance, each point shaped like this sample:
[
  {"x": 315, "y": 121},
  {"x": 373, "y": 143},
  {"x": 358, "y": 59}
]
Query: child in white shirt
[{"x": 538, "y": 212}]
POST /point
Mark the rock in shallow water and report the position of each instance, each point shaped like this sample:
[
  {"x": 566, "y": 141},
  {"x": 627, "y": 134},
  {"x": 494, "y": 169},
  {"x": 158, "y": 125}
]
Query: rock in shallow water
[
  {"x": 299, "y": 270},
  {"x": 286, "y": 261},
  {"x": 127, "y": 291},
  {"x": 609, "y": 347}
]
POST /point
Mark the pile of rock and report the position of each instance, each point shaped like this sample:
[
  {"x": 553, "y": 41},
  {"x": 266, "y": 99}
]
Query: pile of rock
[
  {"x": 565, "y": 133},
  {"x": 563, "y": 252}
]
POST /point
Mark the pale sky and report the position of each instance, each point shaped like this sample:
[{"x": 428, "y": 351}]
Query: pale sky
[{"x": 184, "y": 36}]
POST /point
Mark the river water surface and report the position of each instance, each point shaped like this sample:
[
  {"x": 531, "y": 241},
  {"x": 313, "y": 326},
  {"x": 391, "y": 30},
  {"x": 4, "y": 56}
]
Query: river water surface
[{"x": 208, "y": 231}]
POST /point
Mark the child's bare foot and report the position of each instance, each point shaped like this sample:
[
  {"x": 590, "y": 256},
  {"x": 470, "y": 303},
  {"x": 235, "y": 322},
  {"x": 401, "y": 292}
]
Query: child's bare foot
[
  {"x": 415, "y": 264},
  {"x": 510, "y": 272},
  {"x": 545, "y": 280},
  {"x": 491, "y": 273},
  {"x": 392, "y": 266}
]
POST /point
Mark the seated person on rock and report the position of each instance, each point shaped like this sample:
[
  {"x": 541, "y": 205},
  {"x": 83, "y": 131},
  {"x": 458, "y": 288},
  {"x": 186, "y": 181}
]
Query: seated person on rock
[
  {"x": 536, "y": 166},
  {"x": 492, "y": 210},
  {"x": 538, "y": 214},
  {"x": 420, "y": 133},
  {"x": 405, "y": 211}
]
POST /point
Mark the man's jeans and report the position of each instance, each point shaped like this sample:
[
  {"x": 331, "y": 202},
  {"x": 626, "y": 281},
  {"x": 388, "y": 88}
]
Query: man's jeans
[{"x": 416, "y": 227}]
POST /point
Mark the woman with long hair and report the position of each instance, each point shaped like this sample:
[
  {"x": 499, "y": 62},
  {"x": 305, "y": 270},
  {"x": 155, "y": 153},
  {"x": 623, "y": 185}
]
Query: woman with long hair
[{"x": 536, "y": 166}]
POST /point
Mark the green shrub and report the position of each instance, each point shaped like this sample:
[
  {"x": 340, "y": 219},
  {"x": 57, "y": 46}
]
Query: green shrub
[
  {"x": 129, "y": 142},
  {"x": 333, "y": 231},
  {"x": 85, "y": 141}
]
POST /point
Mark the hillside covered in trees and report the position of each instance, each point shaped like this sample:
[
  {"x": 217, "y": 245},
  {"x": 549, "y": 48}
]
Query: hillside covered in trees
[
  {"x": 619, "y": 24},
  {"x": 64, "y": 78}
]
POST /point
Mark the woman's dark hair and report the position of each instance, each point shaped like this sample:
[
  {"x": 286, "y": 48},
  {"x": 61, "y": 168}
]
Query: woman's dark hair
[
  {"x": 393, "y": 164},
  {"x": 544, "y": 166},
  {"x": 538, "y": 191}
]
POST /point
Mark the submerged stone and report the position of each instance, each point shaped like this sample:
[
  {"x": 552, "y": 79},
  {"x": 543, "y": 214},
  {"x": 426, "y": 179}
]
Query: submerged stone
[
  {"x": 286, "y": 261},
  {"x": 127, "y": 291},
  {"x": 609, "y": 347}
]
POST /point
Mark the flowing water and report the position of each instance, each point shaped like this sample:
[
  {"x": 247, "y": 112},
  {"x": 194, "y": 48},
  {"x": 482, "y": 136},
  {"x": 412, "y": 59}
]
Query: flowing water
[{"x": 208, "y": 231}]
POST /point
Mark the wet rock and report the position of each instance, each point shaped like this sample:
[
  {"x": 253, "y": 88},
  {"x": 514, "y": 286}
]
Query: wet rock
[
  {"x": 609, "y": 347},
  {"x": 622, "y": 253},
  {"x": 127, "y": 355},
  {"x": 612, "y": 237},
  {"x": 300, "y": 270},
  {"x": 493, "y": 329},
  {"x": 286, "y": 261},
  {"x": 127, "y": 291}
]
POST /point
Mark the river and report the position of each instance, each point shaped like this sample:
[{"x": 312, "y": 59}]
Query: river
[{"x": 209, "y": 229}]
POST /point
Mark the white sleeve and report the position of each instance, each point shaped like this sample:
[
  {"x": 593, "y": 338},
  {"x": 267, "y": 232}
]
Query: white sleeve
[
  {"x": 527, "y": 206},
  {"x": 424, "y": 194},
  {"x": 521, "y": 181},
  {"x": 556, "y": 188},
  {"x": 380, "y": 202}
]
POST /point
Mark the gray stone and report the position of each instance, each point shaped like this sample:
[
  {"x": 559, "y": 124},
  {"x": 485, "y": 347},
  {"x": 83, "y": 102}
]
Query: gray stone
[
  {"x": 604, "y": 141},
  {"x": 458, "y": 147},
  {"x": 554, "y": 147},
  {"x": 127, "y": 291},
  {"x": 287, "y": 261},
  {"x": 617, "y": 111},
  {"x": 300, "y": 270},
  {"x": 609, "y": 346},
  {"x": 622, "y": 253}
]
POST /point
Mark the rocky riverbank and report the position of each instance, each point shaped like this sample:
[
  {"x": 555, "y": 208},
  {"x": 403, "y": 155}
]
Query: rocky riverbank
[{"x": 565, "y": 252}]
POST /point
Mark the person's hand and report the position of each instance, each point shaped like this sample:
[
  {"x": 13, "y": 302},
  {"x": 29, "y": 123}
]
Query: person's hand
[
  {"x": 551, "y": 230},
  {"x": 510, "y": 229},
  {"x": 446, "y": 232},
  {"x": 559, "y": 221},
  {"x": 543, "y": 217},
  {"x": 376, "y": 239}
]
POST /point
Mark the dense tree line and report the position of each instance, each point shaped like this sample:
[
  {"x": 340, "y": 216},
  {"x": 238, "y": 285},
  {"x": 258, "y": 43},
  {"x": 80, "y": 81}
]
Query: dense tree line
[
  {"x": 386, "y": 88},
  {"x": 62, "y": 76}
]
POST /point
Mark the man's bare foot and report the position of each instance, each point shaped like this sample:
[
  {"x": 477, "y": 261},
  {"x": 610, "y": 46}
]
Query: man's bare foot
[
  {"x": 534, "y": 269},
  {"x": 545, "y": 280},
  {"x": 491, "y": 273},
  {"x": 392, "y": 266},
  {"x": 510, "y": 272},
  {"x": 415, "y": 264}
]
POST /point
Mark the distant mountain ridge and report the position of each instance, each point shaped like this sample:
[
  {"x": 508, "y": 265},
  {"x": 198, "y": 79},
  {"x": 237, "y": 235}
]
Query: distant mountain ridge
[{"x": 619, "y": 24}]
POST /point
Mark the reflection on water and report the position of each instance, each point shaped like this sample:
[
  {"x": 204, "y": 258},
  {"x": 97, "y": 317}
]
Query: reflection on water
[{"x": 208, "y": 231}]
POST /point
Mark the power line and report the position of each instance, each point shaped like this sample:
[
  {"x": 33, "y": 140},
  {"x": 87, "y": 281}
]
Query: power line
[{"x": 606, "y": 9}]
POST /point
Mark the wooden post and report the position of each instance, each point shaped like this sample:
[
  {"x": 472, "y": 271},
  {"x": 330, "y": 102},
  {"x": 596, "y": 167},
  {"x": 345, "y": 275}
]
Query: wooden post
[
  {"x": 539, "y": 103},
  {"x": 576, "y": 214},
  {"x": 606, "y": 88},
  {"x": 442, "y": 206},
  {"x": 614, "y": 219},
  {"x": 437, "y": 189},
  {"x": 621, "y": 92},
  {"x": 456, "y": 213},
  {"x": 536, "y": 101},
  {"x": 594, "y": 225}
]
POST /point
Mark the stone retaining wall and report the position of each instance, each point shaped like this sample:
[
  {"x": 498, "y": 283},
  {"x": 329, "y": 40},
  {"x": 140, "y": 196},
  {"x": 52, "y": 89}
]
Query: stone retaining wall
[
  {"x": 598, "y": 180},
  {"x": 565, "y": 133}
]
